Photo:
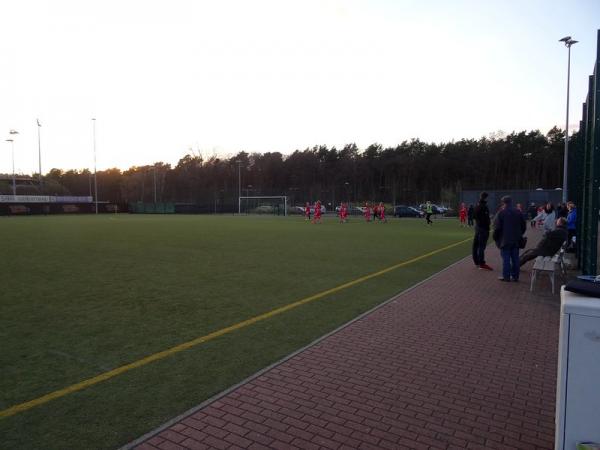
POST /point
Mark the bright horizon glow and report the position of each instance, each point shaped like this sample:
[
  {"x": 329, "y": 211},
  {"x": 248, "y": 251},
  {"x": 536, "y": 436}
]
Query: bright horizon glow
[{"x": 279, "y": 75}]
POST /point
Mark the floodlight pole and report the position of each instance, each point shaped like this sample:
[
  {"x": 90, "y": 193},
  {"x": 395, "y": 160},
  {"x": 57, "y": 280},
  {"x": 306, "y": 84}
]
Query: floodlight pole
[
  {"x": 568, "y": 43},
  {"x": 14, "y": 185},
  {"x": 12, "y": 142},
  {"x": 95, "y": 178},
  {"x": 154, "y": 183},
  {"x": 239, "y": 163},
  {"x": 39, "y": 152}
]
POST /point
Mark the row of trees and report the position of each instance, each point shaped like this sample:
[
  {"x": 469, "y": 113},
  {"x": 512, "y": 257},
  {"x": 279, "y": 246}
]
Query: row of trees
[{"x": 411, "y": 172}]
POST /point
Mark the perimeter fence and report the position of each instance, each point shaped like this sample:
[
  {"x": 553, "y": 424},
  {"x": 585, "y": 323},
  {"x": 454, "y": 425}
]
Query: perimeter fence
[{"x": 584, "y": 173}]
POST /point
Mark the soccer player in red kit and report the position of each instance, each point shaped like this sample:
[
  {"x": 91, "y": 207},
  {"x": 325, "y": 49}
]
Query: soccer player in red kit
[
  {"x": 367, "y": 212},
  {"x": 462, "y": 215},
  {"x": 381, "y": 212},
  {"x": 317, "y": 218},
  {"x": 343, "y": 213},
  {"x": 307, "y": 211}
]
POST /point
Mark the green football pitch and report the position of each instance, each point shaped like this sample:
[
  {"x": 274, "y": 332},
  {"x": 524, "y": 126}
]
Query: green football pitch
[{"x": 83, "y": 296}]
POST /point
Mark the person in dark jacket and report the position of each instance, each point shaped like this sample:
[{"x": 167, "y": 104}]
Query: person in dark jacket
[
  {"x": 550, "y": 243},
  {"x": 482, "y": 231},
  {"x": 561, "y": 210},
  {"x": 509, "y": 226},
  {"x": 470, "y": 213}
]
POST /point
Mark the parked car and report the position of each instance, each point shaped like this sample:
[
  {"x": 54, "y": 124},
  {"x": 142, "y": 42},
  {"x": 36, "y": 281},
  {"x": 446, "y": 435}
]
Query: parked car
[
  {"x": 435, "y": 209},
  {"x": 407, "y": 211}
]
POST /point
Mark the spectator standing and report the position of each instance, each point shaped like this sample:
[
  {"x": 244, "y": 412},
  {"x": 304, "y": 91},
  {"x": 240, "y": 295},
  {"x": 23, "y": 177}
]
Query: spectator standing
[
  {"x": 571, "y": 222},
  {"x": 509, "y": 226},
  {"x": 481, "y": 215},
  {"x": 550, "y": 243},
  {"x": 562, "y": 210},
  {"x": 470, "y": 212},
  {"x": 532, "y": 211}
]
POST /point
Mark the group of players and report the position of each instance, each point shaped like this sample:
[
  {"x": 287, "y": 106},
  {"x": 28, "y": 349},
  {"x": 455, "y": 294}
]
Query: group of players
[{"x": 377, "y": 212}]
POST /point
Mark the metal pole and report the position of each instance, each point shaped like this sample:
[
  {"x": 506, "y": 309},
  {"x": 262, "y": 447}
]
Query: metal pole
[
  {"x": 239, "y": 187},
  {"x": 155, "y": 184},
  {"x": 14, "y": 182},
  {"x": 95, "y": 177},
  {"x": 39, "y": 152},
  {"x": 565, "y": 163}
]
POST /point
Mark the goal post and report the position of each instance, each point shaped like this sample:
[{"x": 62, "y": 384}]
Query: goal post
[{"x": 275, "y": 204}]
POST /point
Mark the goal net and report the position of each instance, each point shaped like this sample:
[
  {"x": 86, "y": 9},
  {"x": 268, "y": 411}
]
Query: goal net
[{"x": 276, "y": 205}]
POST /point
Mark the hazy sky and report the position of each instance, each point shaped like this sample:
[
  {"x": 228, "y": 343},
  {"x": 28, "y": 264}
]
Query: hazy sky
[{"x": 221, "y": 76}]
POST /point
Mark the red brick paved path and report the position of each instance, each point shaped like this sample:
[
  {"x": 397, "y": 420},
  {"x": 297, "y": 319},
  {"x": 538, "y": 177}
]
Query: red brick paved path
[{"x": 462, "y": 361}]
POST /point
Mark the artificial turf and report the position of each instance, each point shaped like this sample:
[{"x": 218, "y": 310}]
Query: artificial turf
[{"x": 83, "y": 294}]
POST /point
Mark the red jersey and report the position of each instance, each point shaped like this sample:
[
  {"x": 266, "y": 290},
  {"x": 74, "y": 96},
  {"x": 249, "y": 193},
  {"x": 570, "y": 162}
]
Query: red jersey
[{"x": 317, "y": 210}]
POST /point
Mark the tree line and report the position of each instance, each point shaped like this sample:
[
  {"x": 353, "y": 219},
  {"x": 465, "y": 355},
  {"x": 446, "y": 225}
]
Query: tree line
[{"x": 409, "y": 173}]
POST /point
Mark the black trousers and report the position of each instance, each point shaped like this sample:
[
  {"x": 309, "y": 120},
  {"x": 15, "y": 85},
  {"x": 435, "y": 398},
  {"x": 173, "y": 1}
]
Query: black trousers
[
  {"x": 528, "y": 255},
  {"x": 479, "y": 244},
  {"x": 428, "y": 217}
]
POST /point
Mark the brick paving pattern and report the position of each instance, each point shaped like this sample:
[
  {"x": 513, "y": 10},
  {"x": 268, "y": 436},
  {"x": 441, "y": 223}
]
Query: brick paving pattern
[{"x": 462, "y": 361}]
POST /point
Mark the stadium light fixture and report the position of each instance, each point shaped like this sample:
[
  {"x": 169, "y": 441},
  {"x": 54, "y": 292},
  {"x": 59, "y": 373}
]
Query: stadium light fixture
[{"x": 568, "y": 41}]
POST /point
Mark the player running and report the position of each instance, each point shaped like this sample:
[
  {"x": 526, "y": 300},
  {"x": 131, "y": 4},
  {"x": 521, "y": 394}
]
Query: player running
[
  {"x": 367, "y": 212},
  {"x": 343, "y": 213},
  {"x": 317, "y": 218},
  {"x": 381, "y": 211},
  {"x": 462, "y": 215},
  {"x": 307, "y": 211}
]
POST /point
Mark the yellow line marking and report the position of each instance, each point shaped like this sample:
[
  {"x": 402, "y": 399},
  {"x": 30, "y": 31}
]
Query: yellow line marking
[{"x": 209, "y": 337}]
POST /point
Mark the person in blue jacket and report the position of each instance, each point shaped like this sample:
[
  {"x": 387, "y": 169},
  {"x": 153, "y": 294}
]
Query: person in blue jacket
[{"x": 571, "y": 222}]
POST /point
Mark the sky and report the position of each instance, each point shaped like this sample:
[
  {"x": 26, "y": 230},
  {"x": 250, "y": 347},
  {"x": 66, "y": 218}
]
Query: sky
[{"x": 163, "y": 78}]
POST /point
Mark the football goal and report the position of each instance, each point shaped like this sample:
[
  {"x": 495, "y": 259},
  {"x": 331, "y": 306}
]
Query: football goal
[{"x": 276, "y": 205}]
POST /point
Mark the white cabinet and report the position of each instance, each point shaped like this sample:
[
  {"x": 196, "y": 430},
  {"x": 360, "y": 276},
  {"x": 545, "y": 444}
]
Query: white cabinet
[{"x": 578, "y": 388}]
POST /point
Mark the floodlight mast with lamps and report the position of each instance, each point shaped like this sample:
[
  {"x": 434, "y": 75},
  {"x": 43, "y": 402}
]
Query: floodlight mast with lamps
[
  {"x": 12, "y": 141},
  {"x": 568, "y": 41}
]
